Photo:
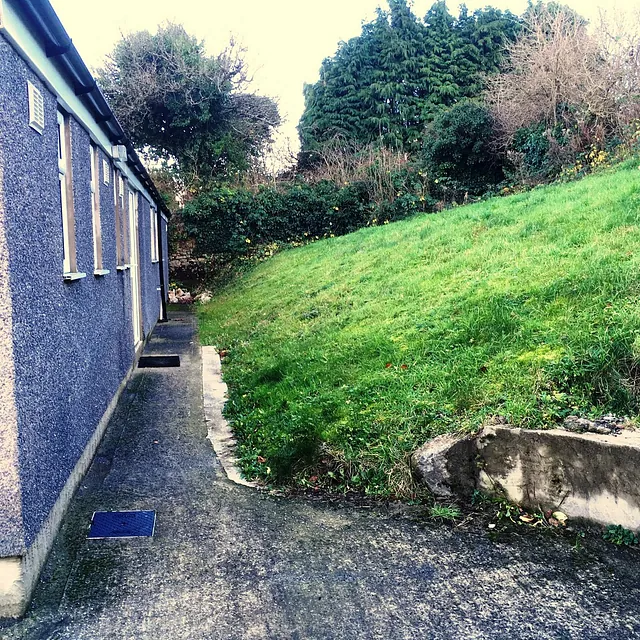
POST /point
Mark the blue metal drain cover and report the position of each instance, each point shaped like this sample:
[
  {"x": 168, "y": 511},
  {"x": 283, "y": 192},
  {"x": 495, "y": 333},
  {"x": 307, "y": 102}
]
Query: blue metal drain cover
[{"x": 122, "y": 524}]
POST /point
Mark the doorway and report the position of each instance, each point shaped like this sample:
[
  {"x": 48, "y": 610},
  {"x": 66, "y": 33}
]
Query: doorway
[{"x": 134, "y": 263}]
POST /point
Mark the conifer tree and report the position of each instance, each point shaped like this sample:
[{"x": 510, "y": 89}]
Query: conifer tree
[{"x": 387, "y": 84}]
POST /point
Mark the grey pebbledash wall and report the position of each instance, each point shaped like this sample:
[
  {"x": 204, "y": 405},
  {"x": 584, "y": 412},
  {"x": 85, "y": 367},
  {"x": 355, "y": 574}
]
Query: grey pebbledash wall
[{"x": 72, "y": 341}]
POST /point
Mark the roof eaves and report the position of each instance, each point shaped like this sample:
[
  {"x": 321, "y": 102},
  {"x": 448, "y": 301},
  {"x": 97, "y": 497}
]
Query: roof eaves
[{"x": 59, "y": 47}]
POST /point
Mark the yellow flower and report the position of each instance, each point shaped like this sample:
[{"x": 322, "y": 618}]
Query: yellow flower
[{"x": 247, "y": 240}]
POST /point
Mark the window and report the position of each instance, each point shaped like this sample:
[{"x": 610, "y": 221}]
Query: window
[
  {"x": 95, "y": 212},
  {"x": 122, "y": 224},
  {"x": 36, "y": 108},
  {"x": 66, "y": 199},
  {"x": 124, "y": 192},
  {"x": 154, "y": 236},
  {"x": 118, "y": 211}
]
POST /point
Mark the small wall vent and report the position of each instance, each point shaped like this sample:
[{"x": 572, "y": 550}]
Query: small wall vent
[
  {"x": 106, "y": 172},
  {"x": 36, "y": 108},
  {"x": 119, "y": 152}
]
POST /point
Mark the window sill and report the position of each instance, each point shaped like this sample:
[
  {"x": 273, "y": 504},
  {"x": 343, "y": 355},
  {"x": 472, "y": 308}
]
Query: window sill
[
  {"x": 155, "y": 261},
  {"x": 101, "y": 272},
  {"x": 122, "y": 267},
  {"x": 73, "y": 275}
]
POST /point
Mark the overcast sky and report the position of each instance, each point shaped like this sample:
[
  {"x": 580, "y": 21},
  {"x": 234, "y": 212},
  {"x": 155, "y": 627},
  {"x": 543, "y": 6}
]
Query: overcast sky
[{"x": 286, "y": 39}]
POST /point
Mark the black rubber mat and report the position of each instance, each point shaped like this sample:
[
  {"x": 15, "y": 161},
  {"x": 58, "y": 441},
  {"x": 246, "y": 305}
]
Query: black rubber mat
[
  {"x": 122, "y": 524},
  {"x": 158, "y": 361}
]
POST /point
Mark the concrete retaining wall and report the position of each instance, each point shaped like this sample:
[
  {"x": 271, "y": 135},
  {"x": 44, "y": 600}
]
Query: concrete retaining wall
[{"x": 585, "y": 475}]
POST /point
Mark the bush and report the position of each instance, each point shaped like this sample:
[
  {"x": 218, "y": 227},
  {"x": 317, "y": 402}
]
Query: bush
[
  {"x": 218, "y": 220},
  {"x": 233, "y": 221},
  {"x": 459, "y": 153}
]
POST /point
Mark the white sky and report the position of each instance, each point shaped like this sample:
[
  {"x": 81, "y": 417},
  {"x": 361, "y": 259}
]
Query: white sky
[{"x": 286, "y": 39}]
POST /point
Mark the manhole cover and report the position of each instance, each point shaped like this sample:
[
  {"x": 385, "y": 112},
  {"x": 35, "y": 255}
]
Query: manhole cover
[
  {"x": 122, "y": 524},
  {"x": 158, "y": 361}
]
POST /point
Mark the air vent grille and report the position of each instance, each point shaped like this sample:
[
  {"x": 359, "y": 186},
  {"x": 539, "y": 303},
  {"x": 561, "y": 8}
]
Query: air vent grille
[{"x": 36, "y": 108}]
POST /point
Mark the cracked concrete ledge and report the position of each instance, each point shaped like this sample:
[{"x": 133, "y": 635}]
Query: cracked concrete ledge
[
  {"x": 588, "y": 476},
  {"x": 219, "y": 432}
]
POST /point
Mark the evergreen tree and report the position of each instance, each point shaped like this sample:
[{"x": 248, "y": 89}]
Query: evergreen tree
[
  {"x": 387, "y": 84},
  {"x": 401, "y": 87},
  {"x": 446, "y": 70},
  {"x": 342, "y": 103}
]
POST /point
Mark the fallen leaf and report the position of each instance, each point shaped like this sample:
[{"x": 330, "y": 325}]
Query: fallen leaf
[
  {"x": 525, "y": 517},
  {"x": 313, "y": 479},
  {"x": 560, "y": 517},
  {"x": 261, "y": 460},
  {"x": 553, "y": 522},
  {"x": 388, "y": 365},
  {"x": 404, "y": 367}
]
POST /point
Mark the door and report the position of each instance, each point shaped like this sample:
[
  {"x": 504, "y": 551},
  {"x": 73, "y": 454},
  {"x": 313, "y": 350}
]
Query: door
[{"x": 134, "y": 262}]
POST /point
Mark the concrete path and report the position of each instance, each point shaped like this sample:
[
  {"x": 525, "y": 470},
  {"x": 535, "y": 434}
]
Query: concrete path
[{"x": 228, "y": 562}]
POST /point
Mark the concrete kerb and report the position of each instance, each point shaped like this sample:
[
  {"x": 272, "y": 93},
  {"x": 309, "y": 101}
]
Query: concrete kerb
[{"x": 219, "y": 432}]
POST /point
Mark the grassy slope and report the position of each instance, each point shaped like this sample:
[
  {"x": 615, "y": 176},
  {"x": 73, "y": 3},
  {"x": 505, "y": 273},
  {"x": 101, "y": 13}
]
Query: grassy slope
[{"x": 369, "y": 344}]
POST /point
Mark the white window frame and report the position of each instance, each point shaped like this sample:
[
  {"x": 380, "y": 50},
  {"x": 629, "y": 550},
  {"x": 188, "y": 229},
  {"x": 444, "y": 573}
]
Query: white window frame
[
  {"x": 62, "y": 178},
  {"x": 155, "y": 253},
  {"x": 65, "y": 179},
  {"x": 94, "y": 156}
]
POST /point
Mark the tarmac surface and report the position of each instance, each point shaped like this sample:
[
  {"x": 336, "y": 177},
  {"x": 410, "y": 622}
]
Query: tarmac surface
[{"x": 230, "y": 562}]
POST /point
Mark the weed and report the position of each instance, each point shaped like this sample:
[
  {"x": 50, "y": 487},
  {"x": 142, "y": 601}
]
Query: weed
[
  {"x": 618, "y": 535},
  {"x": 445, "y": 512}
]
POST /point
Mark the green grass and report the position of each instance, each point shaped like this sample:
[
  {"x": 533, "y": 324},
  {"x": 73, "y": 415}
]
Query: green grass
[{"x": 347, "y": 354}]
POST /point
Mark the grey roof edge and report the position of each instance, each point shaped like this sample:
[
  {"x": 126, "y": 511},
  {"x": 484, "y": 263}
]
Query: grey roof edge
[{"x": 58, "y": 46}]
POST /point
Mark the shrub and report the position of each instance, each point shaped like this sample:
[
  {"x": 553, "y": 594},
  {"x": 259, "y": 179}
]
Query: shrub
[
  {"x": 566, "y": 92},
  {"x": 233, "y": 221},
  {"x": 459, "y": 153},
  {"x": 218, "y": 220},
  {"x": 618, "y": 535}
]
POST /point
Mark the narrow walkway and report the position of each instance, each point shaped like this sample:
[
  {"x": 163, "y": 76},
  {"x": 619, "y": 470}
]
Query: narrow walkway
[{"x": 228, "y": 562}]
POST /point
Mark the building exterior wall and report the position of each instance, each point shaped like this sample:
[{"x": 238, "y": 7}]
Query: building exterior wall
[
  {"x": 12, "y": 540},
  {"x": 72, "y": 341}
]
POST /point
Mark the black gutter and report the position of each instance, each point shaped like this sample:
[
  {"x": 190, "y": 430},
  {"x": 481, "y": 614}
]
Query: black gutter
[{"x": 59, "y": 48}]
